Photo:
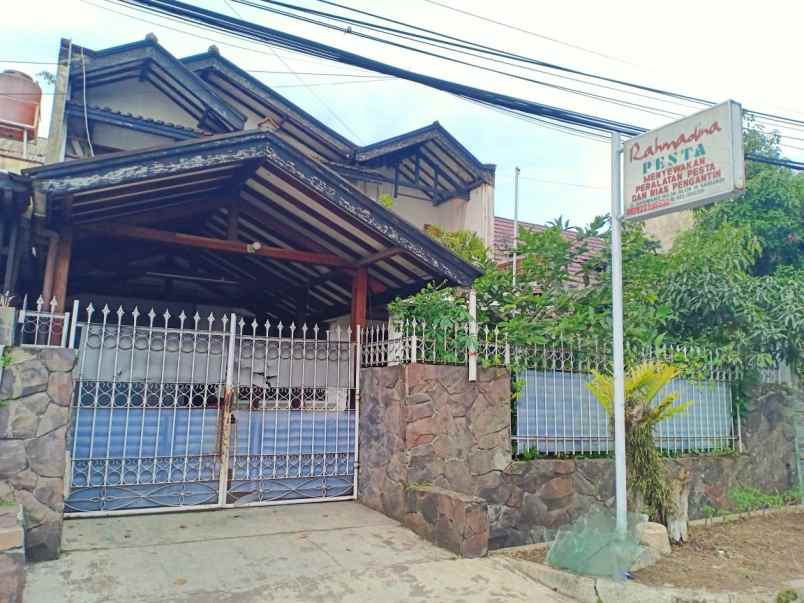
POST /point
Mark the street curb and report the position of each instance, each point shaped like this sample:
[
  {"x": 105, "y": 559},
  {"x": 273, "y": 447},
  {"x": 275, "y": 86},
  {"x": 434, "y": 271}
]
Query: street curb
[
  {"x": 747, "y": 515},
  {"x": 586, "y": 589}
]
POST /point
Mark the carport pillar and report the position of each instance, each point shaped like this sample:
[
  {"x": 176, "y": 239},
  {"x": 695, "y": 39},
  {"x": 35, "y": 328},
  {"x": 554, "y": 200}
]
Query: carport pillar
[
  {"x": 50, "y": 267},
  {"x": 64, "y": 252},
  {"x": 359, "y": 300}
]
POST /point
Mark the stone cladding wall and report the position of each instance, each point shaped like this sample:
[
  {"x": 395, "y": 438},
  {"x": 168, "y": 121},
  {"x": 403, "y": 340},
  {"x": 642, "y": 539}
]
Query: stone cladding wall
[
  {"x": 426, "y": 427},
  {"x": 35, "y": 396}
]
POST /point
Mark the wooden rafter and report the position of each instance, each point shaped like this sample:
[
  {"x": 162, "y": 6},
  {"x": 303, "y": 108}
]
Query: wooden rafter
[
  {"x": 191, "y": 208},
  {"x": 124, "y": 231}
]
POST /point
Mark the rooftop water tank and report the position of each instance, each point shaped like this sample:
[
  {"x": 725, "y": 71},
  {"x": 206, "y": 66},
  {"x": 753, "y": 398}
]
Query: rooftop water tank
[{"x": 20, "y": 98}]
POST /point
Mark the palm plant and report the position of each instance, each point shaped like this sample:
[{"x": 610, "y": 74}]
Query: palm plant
[{"x": 649, "y": 489}]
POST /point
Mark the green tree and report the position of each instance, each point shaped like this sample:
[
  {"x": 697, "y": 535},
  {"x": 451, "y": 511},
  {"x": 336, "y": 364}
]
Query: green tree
[
  {"x": 735, "y": 280},
  {"x": 772, "y": 207}
]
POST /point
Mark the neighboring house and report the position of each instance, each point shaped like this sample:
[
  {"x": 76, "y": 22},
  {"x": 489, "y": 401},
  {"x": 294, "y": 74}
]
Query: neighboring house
[
  {"x": 20, "y": 148},
  {"x": 666, "y": 228},
  {"x": 503, "y": 245}
]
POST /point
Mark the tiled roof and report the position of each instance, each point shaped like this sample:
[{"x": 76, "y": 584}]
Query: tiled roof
[
  {"x": 503, "y": 244},
  {"x": 150, "y": 120}
]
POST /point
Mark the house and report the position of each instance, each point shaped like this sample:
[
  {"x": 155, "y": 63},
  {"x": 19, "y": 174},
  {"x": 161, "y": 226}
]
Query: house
[
  {"x": 212, "y": 251},
  {"x": 503, "y": 246},
  {"x": 20, "y": 148},
  {"x": 188, "y": 180}
]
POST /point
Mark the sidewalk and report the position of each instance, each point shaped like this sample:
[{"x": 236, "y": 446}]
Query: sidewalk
[{"x": 318, "y": 552}]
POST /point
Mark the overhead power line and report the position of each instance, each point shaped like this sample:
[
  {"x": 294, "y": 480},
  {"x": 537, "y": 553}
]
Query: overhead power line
[
  {"x": 524, "y": 31},
  {"x": 465, "y": 44},
  {"x": 265, "y": 71},
  {"x": 254, "y": 32},
  {"x": 193, "y": 34},
  {"x": 285, "y": 40},
  {"x": 440, "y": 40},
  {"x": 561, "y": 183},
  {"x": 304, "y": 84},
  {"x": 460, "y": 46},
  {"x": 433, "y": 42}
]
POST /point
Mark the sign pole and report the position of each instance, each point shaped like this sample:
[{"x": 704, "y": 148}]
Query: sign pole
[
  {"x": 516, "y": 223},
  {"x": 617, "y": 328}
]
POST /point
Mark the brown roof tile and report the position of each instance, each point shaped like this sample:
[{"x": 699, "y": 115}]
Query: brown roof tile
[{"x": 503, "y": 244}]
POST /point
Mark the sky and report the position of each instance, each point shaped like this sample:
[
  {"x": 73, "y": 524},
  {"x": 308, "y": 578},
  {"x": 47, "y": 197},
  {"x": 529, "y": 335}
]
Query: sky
[{"x": 716, "y": 50}]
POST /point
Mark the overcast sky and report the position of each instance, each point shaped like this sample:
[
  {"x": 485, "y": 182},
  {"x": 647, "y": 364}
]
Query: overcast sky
[{"x": 715, "y": 50}]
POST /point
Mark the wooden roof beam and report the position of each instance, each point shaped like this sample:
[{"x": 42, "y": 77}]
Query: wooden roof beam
[{"x": 124, "y": 231}]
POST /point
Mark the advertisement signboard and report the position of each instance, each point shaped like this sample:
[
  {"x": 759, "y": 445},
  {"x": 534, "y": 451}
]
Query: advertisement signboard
[{"x": 692, "y": 162}]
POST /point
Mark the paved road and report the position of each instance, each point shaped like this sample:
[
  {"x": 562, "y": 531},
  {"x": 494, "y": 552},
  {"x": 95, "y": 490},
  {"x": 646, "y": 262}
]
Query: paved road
[{"x": 328, "y": 552}]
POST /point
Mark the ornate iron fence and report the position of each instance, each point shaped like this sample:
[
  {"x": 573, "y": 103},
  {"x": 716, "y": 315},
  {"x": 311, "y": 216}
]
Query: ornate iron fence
[
  {"x": 42, "y": 326},
  {"x": 553, "y": 411}
]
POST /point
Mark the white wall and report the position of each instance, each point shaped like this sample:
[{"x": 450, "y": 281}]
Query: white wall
[
  {"x": 138, "y": 98},
  {"x": 476, "y": 214}
]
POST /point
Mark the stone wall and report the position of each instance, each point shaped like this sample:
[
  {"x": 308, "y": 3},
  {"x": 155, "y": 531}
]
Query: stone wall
[
  {"x": 35, "y": 395},
  {"x": 457, "y": 522},
  {"x": 425, "y": 425},
  {"x": 532, "y": 499},
  {"x": 12, "y": 554}
]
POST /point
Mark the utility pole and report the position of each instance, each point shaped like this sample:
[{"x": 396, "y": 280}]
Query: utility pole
[
  {"x": 516, "y": 222},
  {"x": 621, "y": 492}
]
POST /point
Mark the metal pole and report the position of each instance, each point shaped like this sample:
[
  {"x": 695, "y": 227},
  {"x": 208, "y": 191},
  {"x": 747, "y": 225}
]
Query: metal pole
[
  {"x": 617, "y": 328},
  {"x": 227, "y": 409},
  {"x": 358, "y": 361},
  {"x": 516, "y": 223}
]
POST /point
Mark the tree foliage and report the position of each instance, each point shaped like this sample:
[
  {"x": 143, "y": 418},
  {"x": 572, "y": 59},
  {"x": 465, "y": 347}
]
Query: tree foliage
[{"x": 735, "y": 281}]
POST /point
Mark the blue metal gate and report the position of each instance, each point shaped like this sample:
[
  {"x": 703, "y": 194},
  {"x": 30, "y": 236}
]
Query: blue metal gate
[{"x": 177, "y": 412}]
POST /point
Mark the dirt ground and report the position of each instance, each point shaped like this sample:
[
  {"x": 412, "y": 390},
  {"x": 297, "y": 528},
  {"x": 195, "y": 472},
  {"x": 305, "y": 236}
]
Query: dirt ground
[{"x": 755, "y": 554}]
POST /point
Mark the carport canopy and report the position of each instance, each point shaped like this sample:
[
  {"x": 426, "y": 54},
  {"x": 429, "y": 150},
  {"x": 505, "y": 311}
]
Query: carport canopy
[{"x": 242, "y": 220}]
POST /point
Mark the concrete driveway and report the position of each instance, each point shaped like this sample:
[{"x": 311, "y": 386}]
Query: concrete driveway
[{"x": 327, "y": 552}]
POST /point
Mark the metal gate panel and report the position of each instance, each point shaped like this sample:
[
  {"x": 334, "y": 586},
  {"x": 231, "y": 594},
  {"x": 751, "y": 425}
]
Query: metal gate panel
[
  {"x": 294, "y": 416},
  {"x": 147, "y": 411},
  {"x": 173, "y": 413}
]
